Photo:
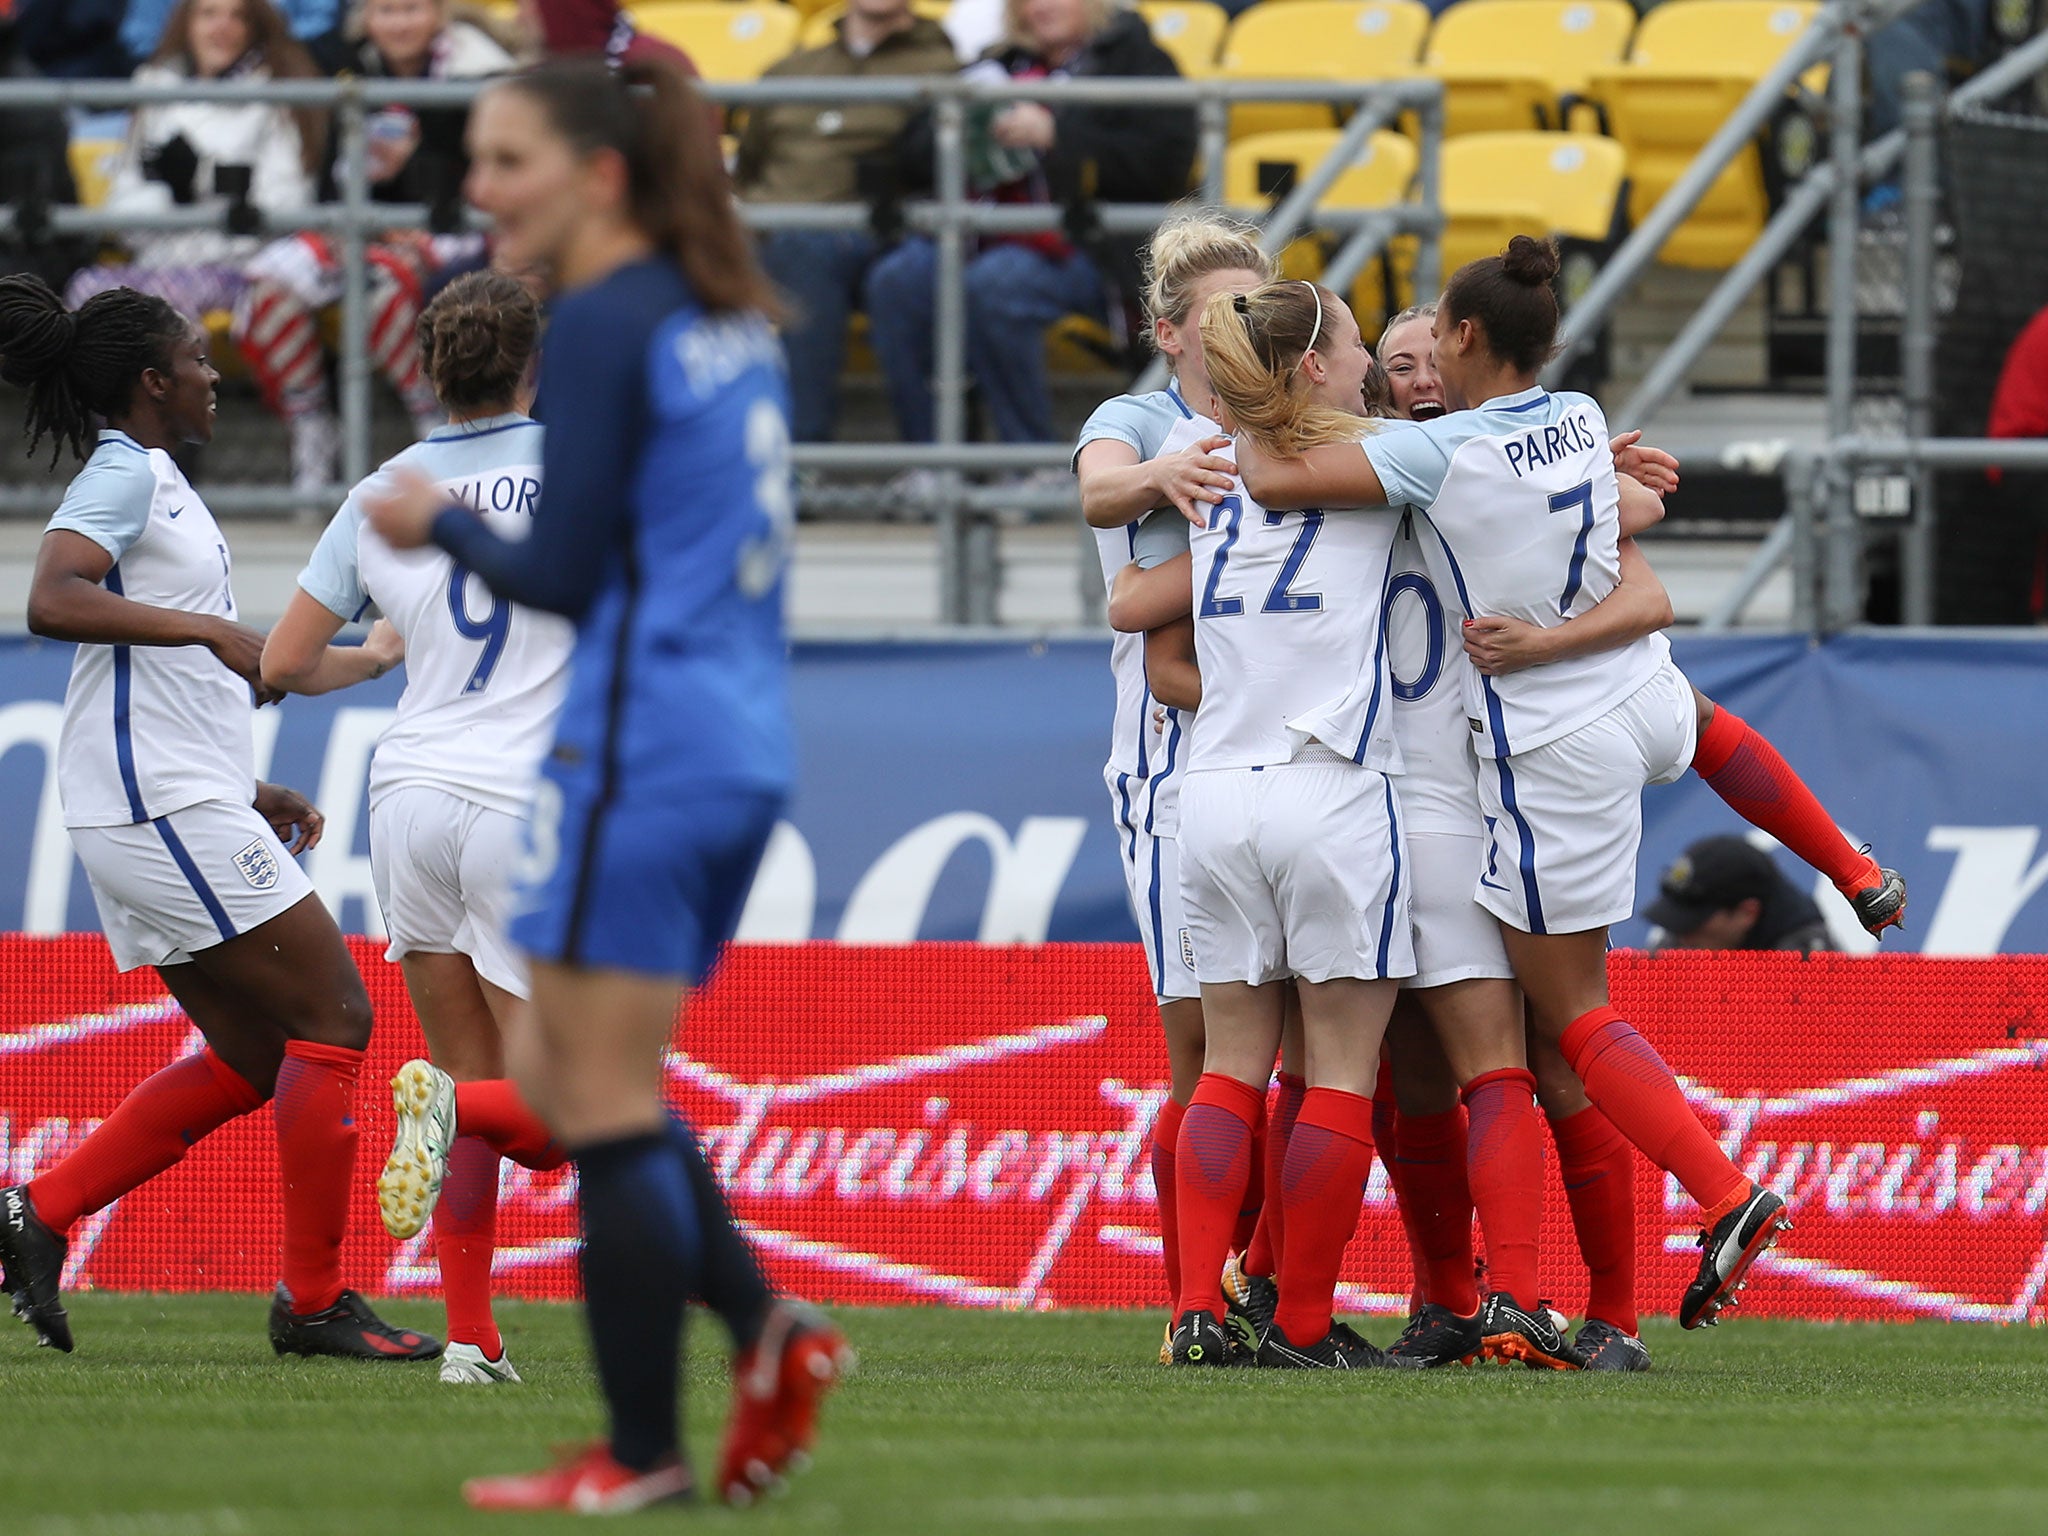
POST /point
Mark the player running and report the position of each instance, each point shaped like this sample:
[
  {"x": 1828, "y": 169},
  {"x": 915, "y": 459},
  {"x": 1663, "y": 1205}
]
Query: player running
[
  {"x": 184, "y": 848},
  {"x": 450, "y": 786},
  {"x": 662, "y": 531},
  {"x": 1523, "y": 506},
  {"x": 1291, "y": 849},
  {"x": 1123, "y": 476}
]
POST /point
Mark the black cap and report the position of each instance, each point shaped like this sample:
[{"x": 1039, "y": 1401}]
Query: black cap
[{"x": 1711, "y": 876}]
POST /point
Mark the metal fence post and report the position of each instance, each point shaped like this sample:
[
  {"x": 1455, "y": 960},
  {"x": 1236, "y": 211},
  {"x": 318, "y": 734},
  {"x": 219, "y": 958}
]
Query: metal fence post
[
  {"x": 1212, "y": 130},
  {"x": 949, "y": 348},
  {"x": 1429, "y": 272},
  {"x": 355, "y": 298},
  {"x": 1842, "y": 563},
  {"x": 1802, "y": 477},
  {"x": 1922, "y": 198}
]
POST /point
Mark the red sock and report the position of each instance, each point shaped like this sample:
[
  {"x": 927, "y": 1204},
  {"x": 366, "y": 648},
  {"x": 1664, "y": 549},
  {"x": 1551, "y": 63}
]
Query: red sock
[
  {"x": 465, "y": 1236},
  {"x": 149, "y": 1131},
  {"x": 1431, "y": 1184},
  {"x": 1629, "y": 1082},
  {"x": 1323, "y": 1186},
  {"x": 1166, "y": 1190},
  {"x": 316, "y": 1154},
  {"x": 1599, "y": 1169},
  {"x": 1262, "y": 1253},
  {"x": 1759, "y": 785},
  {"x": 494, "y": 1112},
  {"x": 1254, "y": 1188},
  {"x": 1386, "y": 1140},
  {"x": 1505, "y": 1158},
  {"x": 1213, "y": 1164}
]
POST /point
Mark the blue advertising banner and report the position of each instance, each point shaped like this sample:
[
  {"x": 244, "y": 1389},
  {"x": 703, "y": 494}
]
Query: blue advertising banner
[{"x": 953, "y": 790}]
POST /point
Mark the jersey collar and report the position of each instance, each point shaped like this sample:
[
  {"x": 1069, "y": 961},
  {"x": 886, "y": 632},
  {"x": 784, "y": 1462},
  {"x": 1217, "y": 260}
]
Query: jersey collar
[
  {"x": 1526, "y": 400},
  {"x": 116, "y": 435},
  {"x": 480, "y": 425},
  {"x": 1173, "y": 389}
]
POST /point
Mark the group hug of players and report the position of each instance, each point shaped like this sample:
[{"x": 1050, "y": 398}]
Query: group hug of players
[{"x": 1390, "y": 682}]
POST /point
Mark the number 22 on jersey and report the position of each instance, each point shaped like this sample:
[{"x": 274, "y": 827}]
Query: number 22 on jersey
[{"x": 1229, "y": 515}]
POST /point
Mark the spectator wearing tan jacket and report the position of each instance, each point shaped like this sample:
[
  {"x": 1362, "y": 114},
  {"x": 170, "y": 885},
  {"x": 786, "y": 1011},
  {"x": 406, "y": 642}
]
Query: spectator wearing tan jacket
[{"x": 812, "y": 154}]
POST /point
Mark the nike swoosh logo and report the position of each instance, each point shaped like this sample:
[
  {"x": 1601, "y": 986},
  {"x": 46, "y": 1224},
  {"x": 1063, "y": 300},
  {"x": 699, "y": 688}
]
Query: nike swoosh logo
[
  {"x": 1492, "y": 886},
  {"x": 174, "y": 513}
]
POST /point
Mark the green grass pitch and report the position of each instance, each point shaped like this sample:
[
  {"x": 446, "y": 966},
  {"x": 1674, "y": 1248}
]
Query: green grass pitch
[{"x": 173, "y": 1419}]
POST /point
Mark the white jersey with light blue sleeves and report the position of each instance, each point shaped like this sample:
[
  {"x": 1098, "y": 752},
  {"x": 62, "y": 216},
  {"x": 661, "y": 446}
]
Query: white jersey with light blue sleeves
[
  {"x": 1291, "y": 637},
  {"x": 484, "y": 678},
  {"x": 1523, "y": 523},
  {"x": 1428, "y": 668},
  {"x": 149, "y": 730},
  {"x": 1140, "y": 750}
]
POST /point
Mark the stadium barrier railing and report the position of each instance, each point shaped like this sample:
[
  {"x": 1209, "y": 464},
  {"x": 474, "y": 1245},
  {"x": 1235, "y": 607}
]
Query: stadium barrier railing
[
  {"x": 967, "y": 1125},
  {"x": 950, "y": 217}
]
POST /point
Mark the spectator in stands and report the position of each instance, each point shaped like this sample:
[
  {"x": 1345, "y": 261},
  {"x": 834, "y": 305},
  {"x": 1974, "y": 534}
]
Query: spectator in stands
[
  {"x": 592, "y": 26},
  {"x": 794, "y": 153},
  {"x": 1939, "y": 37},
  {"x": 2019, "y": 408},
  {"x": 414, "y": 157},
  {"x": 316, "y": 23},
  {"x": 35, "y": 173},
  {"x": 1726, "y": 893},
  {"x": 71, "y": 39},
  {"x": 1028, "y": 153},
  {"x": 194, "y": 153}
]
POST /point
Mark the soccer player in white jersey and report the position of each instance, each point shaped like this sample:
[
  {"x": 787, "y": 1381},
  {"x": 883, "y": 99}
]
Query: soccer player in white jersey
[
  {"x": 450, "y": 787},
  {"x": 1522, "y": 504},
  {"x": 1291, "y": 860},
  {"x": 184, "y": 848},
  {"x": 1126, "y": 470}
]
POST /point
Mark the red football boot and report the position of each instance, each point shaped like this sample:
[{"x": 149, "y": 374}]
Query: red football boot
[
  {"x": 776, "y": 1388},
  {"x": 583, "y": 1482}
]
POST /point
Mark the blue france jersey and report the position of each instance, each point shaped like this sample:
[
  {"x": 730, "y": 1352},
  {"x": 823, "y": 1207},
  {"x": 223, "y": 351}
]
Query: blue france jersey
[
  {"x": 1523, "y": 522},
  {"x": 664, "y": 523}
]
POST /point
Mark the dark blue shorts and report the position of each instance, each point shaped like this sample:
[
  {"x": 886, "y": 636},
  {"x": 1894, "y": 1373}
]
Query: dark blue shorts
[{"x": 644, "y": 881}]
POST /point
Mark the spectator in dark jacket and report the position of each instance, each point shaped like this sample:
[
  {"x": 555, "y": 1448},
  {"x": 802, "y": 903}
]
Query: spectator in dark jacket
[
  {"x": 599, "y": 26},
  {"x": 1027, "y": 153},
  {"x": 72, "y": 39},
  {"x": 1725, "y": 893},
  {"x": 810, "y": 152}
]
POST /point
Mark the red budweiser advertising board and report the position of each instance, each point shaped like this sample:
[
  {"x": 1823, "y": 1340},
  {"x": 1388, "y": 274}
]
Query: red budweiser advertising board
[{"x": 967, "y": 1125}]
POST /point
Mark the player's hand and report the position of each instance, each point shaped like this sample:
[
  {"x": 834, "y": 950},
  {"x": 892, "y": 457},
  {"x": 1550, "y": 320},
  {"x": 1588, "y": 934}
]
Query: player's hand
[
  {"x": 296, "y": 821},
  {"x": 1196, "y": 478},
  {"x": 1651, "y": 467},
  {"x": 402, "y": 511},
  {"x": 240, "y": 649},
  {"x": 1499, "y": 646},
  {"x": 384, "y": 645}
]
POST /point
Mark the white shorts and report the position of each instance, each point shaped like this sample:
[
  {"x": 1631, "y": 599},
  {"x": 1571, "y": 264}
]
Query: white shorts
[
  {"x": 1152, "y": 880},
  {"x": 1294, "y": 871},
  {"x": 443, "y": 868},
  {"x": 189, "y": 881},
  {"x": 1456, "y": 939},
  {"x": 1566, "y": 819}
]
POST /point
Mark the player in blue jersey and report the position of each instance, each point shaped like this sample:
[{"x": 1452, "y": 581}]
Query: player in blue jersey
[
  {"x": 450, "y": 784},
  {"x": 1522, "y": 504},
  {"x": 185, "y": 850},
  {"x": 661, "y": 531}
]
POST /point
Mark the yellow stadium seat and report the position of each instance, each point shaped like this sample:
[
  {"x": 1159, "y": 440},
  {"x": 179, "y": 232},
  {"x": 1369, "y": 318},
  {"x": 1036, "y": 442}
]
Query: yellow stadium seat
[
  {"x": 1572, "y": 180},
  {"x": 1347, "y": 40},
  {"x": 1378, "y": 178},
  {"x": 1509, "y": 64},
  {"x": 818, "y": 24},
  {"x": 1692, "y": 63},
  {"x": 726, "y": 41},
  {"x": 1191, "y": 32},
  {"x": 92, "y": 167}
]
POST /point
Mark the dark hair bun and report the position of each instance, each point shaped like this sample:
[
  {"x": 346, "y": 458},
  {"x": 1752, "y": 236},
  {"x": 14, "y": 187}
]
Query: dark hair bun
[
  {"x": 1530, "y": 261},
  {"x": 477, "y": 338},
  {"x": 36, "y": 332}
]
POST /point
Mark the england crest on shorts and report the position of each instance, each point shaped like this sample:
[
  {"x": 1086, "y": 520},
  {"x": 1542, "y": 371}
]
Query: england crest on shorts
[{"x": 258, "y": 865}]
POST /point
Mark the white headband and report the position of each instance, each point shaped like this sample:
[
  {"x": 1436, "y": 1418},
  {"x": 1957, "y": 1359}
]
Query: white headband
[{"x": 1316, "y": 294}]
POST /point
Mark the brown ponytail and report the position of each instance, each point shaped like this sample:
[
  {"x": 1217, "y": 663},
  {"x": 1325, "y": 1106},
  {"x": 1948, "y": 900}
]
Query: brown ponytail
[
  {"x": 1253, "y": 344},
  {"x": 677, "y": 191}
]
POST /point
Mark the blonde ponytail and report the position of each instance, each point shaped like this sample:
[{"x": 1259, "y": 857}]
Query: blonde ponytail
[{"x": 1253, "y": 344}]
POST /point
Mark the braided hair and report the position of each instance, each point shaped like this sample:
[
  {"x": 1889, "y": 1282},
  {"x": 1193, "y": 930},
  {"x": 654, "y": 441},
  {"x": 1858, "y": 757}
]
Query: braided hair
[{"x": 77, "y": 365}]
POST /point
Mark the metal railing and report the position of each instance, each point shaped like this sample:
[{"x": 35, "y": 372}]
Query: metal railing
[{"x": 950, "y": 217}]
